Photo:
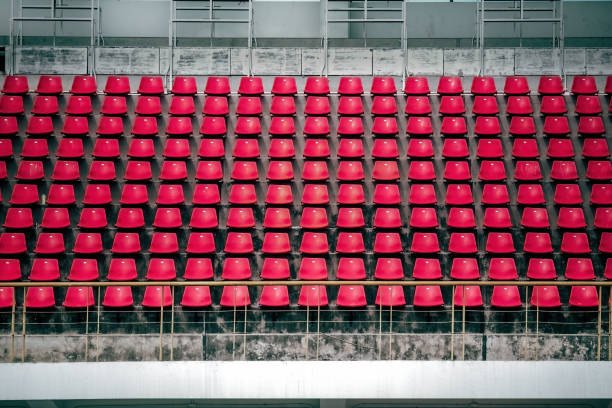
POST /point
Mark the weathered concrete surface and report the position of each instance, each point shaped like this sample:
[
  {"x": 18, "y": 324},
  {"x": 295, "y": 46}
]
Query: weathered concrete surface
[
  {"x": 312, "y": 61},
  {"x": 425, "y": 61},
  {"x": 201, "y": 61},
  {"x": 575, "y": 61},
  {"x": 51, "y": 60},
  {"x": 545, "y": 347},
  {"x": 387, "y": 62},
  {"x": 536, "y": 61},
  {"x": 350, "y": 61},
  {"x": 599, "y": 61},
  {"x": 499, "y": 61},
  {"x": 123, "y": 60},
  {"x": 277, "y": 61},
  {"x": 462, "y": 61}
]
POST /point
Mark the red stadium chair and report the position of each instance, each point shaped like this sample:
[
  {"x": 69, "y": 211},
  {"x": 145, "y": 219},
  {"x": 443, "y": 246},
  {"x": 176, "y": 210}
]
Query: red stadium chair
[
  {"x": 351, "y": 218},
  {"x": 216, "y": 106},
  {"x": 550, "y": 85},
  {"x": 277, "y": 218},
  {"x": 250, "y": 86},
  {"x": 350, "y": 86},
  {"x": 109, "y": 125},
  {"x": 93, "y": 218},
  {"x": 350, "y": 105},
  {"x": 44, "y": 269},
  {"x": 522, "y": 126},
  {"x": 151, "y": 85},
  {"x": 573, "y": 218},
  {"x": 583, "y": 84},
  {"x": 590, "y": 125},
  {"x": 314, "y": 194},
  {"x": 351, "y": 269},
  {"x": 274, "y": 296},
  {"x": 207, "y": 194},
  {"x": 385, "y": 149},
  {"x": 565, "y": 194},
  {"x": 545, "y": 296},
  {"x": 383, "y": 105},
  {"x": 130, "y": 218},
  {"x": 465, "y": 269},
  {"x": 11, "y": 105},
  {"x": 235, "y": 296},
  {"x": 60, "y": 194},
  {"x": 49, "y": 243},
  {"x": 312, "y": 269},
  {"x": 350, "y": 148},
  {"x": 15, "y": 84},
  {"x": 416, "y": 86},
  {"x": 516, "y": 85},
  {"x": 584, "y": 296},
  {"x": 50, "y": 85},
  {"x": 316, "y": 86},
  {"x": 458, "y": 194},
  {"x": 424, "y": 243},
  {"x": 390, "y": 296},
  {"x": 144, "y": 126},
  {"x": 284, "y": 86},
  {"x": 468, "y": 296},
  {"x": 461, "y": 218},
  {"x": 417, "y": 105},
  {"x": 79, "y": 105},
  {"x": 500, "y": 243},
  {"x": 453, "y": 148},
  {"x": 587, "y": 105},
  {"x": 497, "y": 218},
  {"x": 506, "y": 297},
  {"x": 387, "y": 268},
  {"x": 217, "y": 85},
  {"x": 314, "y": 243},
  {"x": 450, "y": 85},
  {"x": 184, "y": 86},
  {"x": 502, "y": 269},
  {"x": 313, "y": 296},
  {"x": 451, "y": 105},
  {"x": 420, "y": 148},
  {"x": 382, "y": 86},
  {"x": 126, "y": 243},
  {"x": 200, "y": 243},
  {"x": 541, "y": 269}
]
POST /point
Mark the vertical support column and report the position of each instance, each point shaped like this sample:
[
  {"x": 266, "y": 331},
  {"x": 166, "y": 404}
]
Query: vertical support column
[
  {"x": 92, "y": 41},
  {"x": 23, "y": 327},
  {"x": 170, "y": 44},
  {"x": 325, "y": 37},
  {"x": 404, "y": 44},
  {"x": 481, "y": 37},
  {"x": 10, "y": 63},
  {"x": 250, "y": 37},
  {"x": 53, "y": 21},
  {"x": 562, "y": 44},
  {"x": 452, "y": 339},
  {"x": 211, "y": 15}
]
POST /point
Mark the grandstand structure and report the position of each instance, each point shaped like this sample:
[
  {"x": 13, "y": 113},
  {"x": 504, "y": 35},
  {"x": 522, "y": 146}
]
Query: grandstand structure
[{"x": 371, "y": 203}]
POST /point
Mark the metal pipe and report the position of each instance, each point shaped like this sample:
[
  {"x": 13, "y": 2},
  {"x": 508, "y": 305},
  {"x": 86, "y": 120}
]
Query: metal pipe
[
  {"x": 172, "y": 328},
  {"x": 23, "y": 327},
  {"x": 83, "y": 19},
  {"x": 98, "y": 310},
  {"x": 363, "y": 20},
  {"x": 518, "y": 20},
  {"x": 207, "y": 20}
]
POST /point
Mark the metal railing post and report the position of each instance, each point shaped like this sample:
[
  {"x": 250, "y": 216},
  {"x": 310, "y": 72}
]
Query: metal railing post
[
  {"x": 23, "y": 327},
  {"x": 12, "y": 350},
  {"x": 98, "y": 310},
  {"x": 172, "y": 328},
  {"x": 452, "y": 339}
]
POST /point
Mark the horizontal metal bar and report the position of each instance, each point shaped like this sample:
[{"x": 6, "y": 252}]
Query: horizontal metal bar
[
  {"x": 518, "y": 9},
  {"x": 209, "y": 20},
  {"x": 21, "y": 284},
  {"x": 59, "y": 7},
  {"x": 214, "y": 8},
  {"x": 524, "y": 20},
  {"x": 366, "y": 20},
  {"x": 52, "y": 19},
  {"x": 368, "y": 9}
]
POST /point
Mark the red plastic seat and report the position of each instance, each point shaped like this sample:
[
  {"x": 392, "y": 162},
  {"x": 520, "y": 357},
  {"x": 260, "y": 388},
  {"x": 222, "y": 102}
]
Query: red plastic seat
[
  {"x": 92, "y": 218},
  {"x": 145, "y": 126},
  {"x": 383, "y": 105},
  {"x": 198, "y": 269},
  {"x": 133, "y": 194},
  {"x": 247, "y": 126},
  {"x": 545, "y": 296},
  {"x": 424, "y": 242},
  {"x": 137, "y": 171},
  {"x": 565, "y": 194},
  {"x": 553, "y": 105},
  {"x": 85, "y": 85},
  {"x": 522, "y": 125},
  {"x": 35, "y": 148},
  {"x": 519, "y": 105},
  {"x": 500, "y": 243},
  {"x": 450, "y": 85},
  {"x": 458, "y": 194},
  {"x": 575, "y": 243},
  {"x": 201, "y": 243},
  {"x": 184, "y": 86},
  {"x": 584, "y": 296},
  {"x": 249, "y": 105},
  {"x": 350, "y": 105},
  {"x": 313, "y": 296},
  {"x": 130, "y": 218},
  {"x": 453, "y": 148},
  {"x": 50, "y": 85},
  {"x": 541, "y": 269},
  {"x": 3, "y": 172},
  {"x": 30, "y": 170},
  {"x": 250, "y": 86},
  {"x": 483, "y": 85},
  {"x": 213, "y": 170},
  {"x": 148, "y": 105},
  {"x": 350, "y": 126},
  {"x": 10, "y": 270},
  {"x": 350, "y": 243},
  {"x": 79, "y": 105},
  {"x": 49, "y": 243},
  {"x": 350, "y": 86},
  {"x": 216, "y": 106},
  {"x": 238, "y": 243},
  {"x": 313, "y": 218},
  {"x": 312, "y": 171},
  {"x": 117, "y": 85},
  {"x": 39, "y": 298},
  {"x": 385, "y": 126},
  {"x": 18, "y": 218},
  {"x": 126, "y": 243},
  {"x": 314, "y": 243},
  {"x": 274, "y": 296},
  {"x": 282, "y": 105},
  {"x": 385, "y": 194},
  {"x": 176, "y": 149},
  {"x": 423, "y": 217},
  {"x": 456, "y": 170},
  {"x": 516, "y": 85},
  {"x": 157, "y": 296},
  {"x": 603, "y": 218},
  {"x": 245, "y": 148},
  {"x": 60, "y": 194},
  {"x": 451, "y": 105},
  {"x": 502, "y": 269},
  {"x": 382, "y": 86},
  {"x": 390, "y": 296},
  {"x": 525, "y": 148},
  {"x": 207, "y": 194},
  {"x": 608, "y": 86},
  {"x": 385, "y": 170},
  {"x": 114, "y": 105},
  {"x": 203, "y": 218},
  {"x": 351, "y": 269},
  {"x": 420, "y": 148},
  {"x": 579, "y": 269},
  {"x": 313, "y": 148},
  {"x": 385, "y": 149},
  {"x": 235, "y": 296},
  {"x": 102, "y": 171},
  {"x": 564, "y": 170},
  {"x": 8, "y": 125},
  {"x": 583, "y": 84},
  {"x": 281, "y": 194},
  {"x": 351, "y": 296},
  {"x": 164, "y": 243},
  {"x": 122, "y": 269},
  {"x": 489, "y": 149},
  {"x": 535, "y": 218},
  {"x": 6, "y": 148},
  {"x": 282, "y": 126},
  {"x": 387, "y": 268},
  {"x": 468, "y": 296},
  {"x": 314, "y": 194},
  {"x": 110, "y": 125},
  {"x": 212, "y": 148},
  {"x": 351, "y": 218},
  {"x": 240, "y": 218},
  {"x": 45, "y": 105},
  {"x": 465, "y": 269},
  {"x": 588, "y": 105},
  {"x": 151, "y": 85},
  {"x": 279, "y": 171},
  {"x": 277, "y": 218},
  {"x": 487, "y": 126},
  {"x": 11, "y": 105},
  {"x": 44, "y": 269},
  {"x": 284, "y": 149},
  {"x": 537, "y": 243},
  {"x": 350, "y": 148},
  {"x": 572, "y": 218},
  {"x": 527, "y": 170},
  {"x": 196, "y": 296},
  {"x": 283, "y": 85},
  {"x": 506, "y": 297},
  {"x": 88, "y": 243},
  {"x": 417, "y": 105},
  {"x": 167, "y": 218},
  {"x": 550, "y": 85},
  {"x": 461, "y": 218},
  {"x": 492, "y": 170},
  {"x": 608, "y": 270},
  {"x": 66, "y": 170},
  {"x": 276, "y": 243},
  {"x": 453, "y": 125},
  {"x": 106, "y": 148},
  {"x": 182, "y": 105},
  {"x": 462, "y": 243},
  {"x": 605, "y": 243},
  {"x": 24, "y": 194},
  {"x": 591, "y": 125},
  {"x": 497, "y": 218},
  {"x": 560, "y": 148},
  {"x": 217, "y": 85},
  {"x": 416, "y": 86},
  {"x": 421, "y": 170},
  {"x": 428, "y": 296},
  {"x": 419, "y": 126},
  {"x": 595, "y": 148},
  {"x": 161, "y": 269},
  {"x": 387, "y": 243},
  {"x": 179, "y": 126},
  {"x": 485, "y": 105},
  {"x": 316, "y": 86},
  {"x": 312, "y": 269},
  {"x": 599, "y": 170},
  {"x": 15, "y": 84}
]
